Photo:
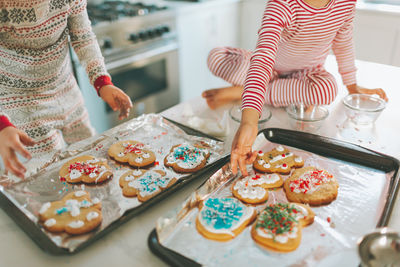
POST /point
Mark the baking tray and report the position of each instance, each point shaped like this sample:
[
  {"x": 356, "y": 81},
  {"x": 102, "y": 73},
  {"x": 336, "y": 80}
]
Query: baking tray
[
  {"x": 323, "y": 146},
  {"x": 11, "y": 206}
]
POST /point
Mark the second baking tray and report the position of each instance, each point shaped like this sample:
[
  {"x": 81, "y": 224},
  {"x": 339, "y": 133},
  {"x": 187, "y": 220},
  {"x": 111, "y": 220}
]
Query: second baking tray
[{"x": 175, "y": 233}]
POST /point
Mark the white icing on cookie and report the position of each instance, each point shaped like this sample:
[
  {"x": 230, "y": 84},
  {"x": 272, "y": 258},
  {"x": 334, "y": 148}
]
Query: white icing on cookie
[
  {"x": 187, "y": 156},
  {"x": 80, "y": 193},
  {"x": 280, "y": 148},
  {"x": 280, "y": 157},
  {"x": 267, "y": 165},
  {"x": 92, "y": 215},
  {"x": 298, "y": 159},
  {"x": 45, "y": 207},
  {"x": 74, "y": 174},
  {"x": 121, "y": 154},
  {"x": 265, "y": 179},
  {"x": 261, "y": 162},
  {"x": 245, "y": 190},
  {"x": 76, "y": 224},
  {"x": 281, "y": 238},
  {"x": 92, "y": 161},
  {"x": 50, "y": 222},
  {"x": 146, "y": 155},
  {"x": 139, "y": 160},
  {"x": 137, "y": 172},
  {"x": 95, "y": 200},
  {"x": 260, "y": 153},
  {"x": 129, "y": 178}
]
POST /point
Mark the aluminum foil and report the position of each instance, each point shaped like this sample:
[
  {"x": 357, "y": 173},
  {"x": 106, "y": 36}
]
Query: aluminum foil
[
  {"x": 155, "y": 132},
  {"x": 331, "y": 239}
]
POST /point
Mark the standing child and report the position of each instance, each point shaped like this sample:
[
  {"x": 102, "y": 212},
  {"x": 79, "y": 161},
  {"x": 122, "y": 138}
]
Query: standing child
[
  {"x": 39, "y": 96},
  {"x": 287, "y": 66}
]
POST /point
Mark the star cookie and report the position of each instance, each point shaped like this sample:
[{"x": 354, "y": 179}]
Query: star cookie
[
  {"x": 75, "y": 214},
  {"x": 224, "y": 218},
  {"x": 86, "y": 169},
  {"x": 311, "y": 185},
  {"x": 279, "y": 160},
  {"x": 131, "y": 152},
  {"x": 144, "y": 184},
  {"x": 278, "y": 227},
  {"x": 185, "y": 158}
]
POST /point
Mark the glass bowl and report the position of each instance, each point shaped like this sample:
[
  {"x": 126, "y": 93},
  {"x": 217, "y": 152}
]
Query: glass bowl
[
  {"x": 363, "y": 109},
  {"x": 236, "y": 115},
  {"x": 307, "y": 119}
]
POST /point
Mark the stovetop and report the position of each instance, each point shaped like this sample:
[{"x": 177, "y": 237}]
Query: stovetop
[{"x": 115, "y": 10}]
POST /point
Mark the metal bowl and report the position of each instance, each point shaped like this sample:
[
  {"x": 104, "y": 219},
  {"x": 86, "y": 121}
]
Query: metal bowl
[
  {"x": 307, "y": 119},
  {"x": 380, "y": 248},
  {"x": 363, "y": 109}
]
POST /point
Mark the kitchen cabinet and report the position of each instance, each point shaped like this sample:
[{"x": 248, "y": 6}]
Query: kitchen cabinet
[{"x": 202, "y": 27}]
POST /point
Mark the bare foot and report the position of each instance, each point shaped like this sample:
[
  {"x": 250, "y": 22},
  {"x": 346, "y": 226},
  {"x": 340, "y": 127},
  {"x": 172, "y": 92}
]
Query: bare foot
[{"x": 218, "y": 97}]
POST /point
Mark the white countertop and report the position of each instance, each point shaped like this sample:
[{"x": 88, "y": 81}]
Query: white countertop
[{"x": 127, "y": 245}]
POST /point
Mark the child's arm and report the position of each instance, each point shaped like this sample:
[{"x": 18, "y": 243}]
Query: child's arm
[
  {"x": 12, "y": 141},
  {"x": 343, "y": 48},
  {"x": 276, "y": 17},
  {"x": 87, "y": 49}
]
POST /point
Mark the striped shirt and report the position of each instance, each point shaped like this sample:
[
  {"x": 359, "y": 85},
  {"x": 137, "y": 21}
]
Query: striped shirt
[{"x": 295, "y": 36}]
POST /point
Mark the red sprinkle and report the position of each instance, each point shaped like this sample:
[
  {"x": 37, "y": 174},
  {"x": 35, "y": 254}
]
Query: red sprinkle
[
  {"x": 328, "y": 219},
  {"x": 284, "y": 165},
  {"x": 156, "y": 163},
  {"x": 322, "y": 234}
]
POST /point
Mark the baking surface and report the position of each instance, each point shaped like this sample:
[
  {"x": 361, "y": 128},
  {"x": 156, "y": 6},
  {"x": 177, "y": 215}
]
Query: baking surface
[{"x": 336, "y": 229}]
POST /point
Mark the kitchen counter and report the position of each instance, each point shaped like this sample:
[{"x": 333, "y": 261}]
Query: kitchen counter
[{"x": 127, "y": 245}]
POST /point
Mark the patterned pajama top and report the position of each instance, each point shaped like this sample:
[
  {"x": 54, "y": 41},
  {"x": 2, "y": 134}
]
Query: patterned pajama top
[{"x": 38, "y": 92}]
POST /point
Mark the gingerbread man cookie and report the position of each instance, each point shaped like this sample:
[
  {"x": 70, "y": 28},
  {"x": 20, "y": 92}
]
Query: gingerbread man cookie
[
  {"x": 185, "y": 158},
  {"x": 144, "y": 184},
  {"x": 312, "y": 186},
  {"x": 224, "y": 218},
  {"x": 278, "y": 227},
  {"x": 254, "y": 189},
  {"x": 86, "y": 169},
  {"x": 131, "y": 152},
  {"x": 75, "y": 214},
  {"x": 278, "y": 160}
]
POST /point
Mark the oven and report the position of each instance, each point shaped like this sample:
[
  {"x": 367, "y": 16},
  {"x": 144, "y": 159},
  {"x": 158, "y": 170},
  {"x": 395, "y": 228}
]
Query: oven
[{"x": 149, "y": 77}]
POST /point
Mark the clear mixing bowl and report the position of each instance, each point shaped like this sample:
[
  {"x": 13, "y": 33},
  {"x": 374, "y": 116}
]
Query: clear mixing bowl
[
  {"x": 363, "y": 109},
  {"x": 236, "y": 115},
  {"x": 307, "y": 119}
]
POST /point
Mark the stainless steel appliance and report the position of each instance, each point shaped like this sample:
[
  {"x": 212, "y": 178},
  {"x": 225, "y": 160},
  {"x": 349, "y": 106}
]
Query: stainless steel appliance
[{"x": 139, "y": 44}]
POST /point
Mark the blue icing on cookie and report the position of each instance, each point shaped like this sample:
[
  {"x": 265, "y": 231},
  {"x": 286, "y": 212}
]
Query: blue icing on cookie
[
  {"x": 150, "y": 182},
  {"x": 62, "y": 210},
  {"x": 187, "y": 154},
  {"x": 222, "y": 213}
]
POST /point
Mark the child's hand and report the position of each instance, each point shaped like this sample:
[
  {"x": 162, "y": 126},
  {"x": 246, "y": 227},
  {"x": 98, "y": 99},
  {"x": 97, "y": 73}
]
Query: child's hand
[
  {"x": 117, "y": 100},
  {"x": 355, "y": 89},
  {"x": 13, "y": 140},
  {"x": 241, "y": 153}
]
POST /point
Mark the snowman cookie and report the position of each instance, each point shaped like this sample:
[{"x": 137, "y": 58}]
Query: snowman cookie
[
  {"x": 131, "y": 152},
  {"x": 86, "y": 169},
  {"x": 253, "y": 189},
  {"x": 312, "y": 186},
  {"x": 223, "y": 218},
  {"x": 279, "y": 160},
  {"x": 144, "y": 184},
  {"x": 185, "y": 158},
  {"x": 278, "y": 227},
  {"x": 75, "y": 214}
]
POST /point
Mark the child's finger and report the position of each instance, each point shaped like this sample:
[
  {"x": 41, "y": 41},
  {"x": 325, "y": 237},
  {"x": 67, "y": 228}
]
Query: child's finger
[
  {"x": 250, "y": 160},
  {"x": 21, "y": 149},
  {"x": 25, "y": 139},
  {"x": 242, "y": 166},
  {"x": 234, "y": 160},
  {"x": 12, "y": 164}
]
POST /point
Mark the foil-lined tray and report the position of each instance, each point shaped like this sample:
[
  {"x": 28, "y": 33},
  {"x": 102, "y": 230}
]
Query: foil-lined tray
[
  {"x": 23, "y": 200},
  {"x": 368, "y": 184}
]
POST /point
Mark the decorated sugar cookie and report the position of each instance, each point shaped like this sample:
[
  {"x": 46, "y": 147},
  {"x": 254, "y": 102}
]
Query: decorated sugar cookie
[
  {"x": 75, "y": 214},
  {"x": 186, "y": 158},
  {"x": 278, "y": 227},
  {"x": 312, "y": 186},
  {"x": 278, "y": 160},
  {"x": 222, "y": 219},
  {"x": 131, "y": 152},
  {"x": 144, "y": 184},
  {"x": 254, "y": 189},
  {"x": 86, "y": 169}
]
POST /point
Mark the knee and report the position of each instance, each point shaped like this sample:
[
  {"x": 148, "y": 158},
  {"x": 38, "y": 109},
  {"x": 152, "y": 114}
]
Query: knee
[
  {"x": 326, "y": 90},
  {"x": 216, "y": 59}
]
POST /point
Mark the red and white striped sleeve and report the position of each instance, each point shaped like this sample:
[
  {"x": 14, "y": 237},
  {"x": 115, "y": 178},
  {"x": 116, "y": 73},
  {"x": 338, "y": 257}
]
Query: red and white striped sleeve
[
  {"x": 277, "y": 16},
  {"x": 343, "y": 48}
]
